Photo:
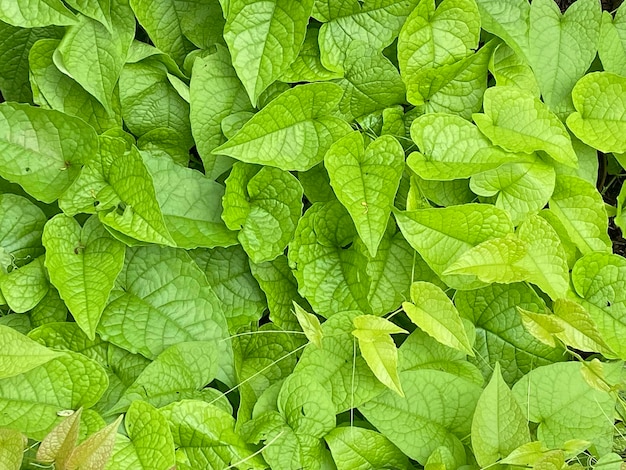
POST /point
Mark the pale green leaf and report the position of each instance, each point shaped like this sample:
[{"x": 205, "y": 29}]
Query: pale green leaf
[
  {"x": 366, "y": 181},
  {"x": 527, "y": 126},
  {"x": 451, "y": 148},
  {"x": 434, "y": 313},
  {"x": 19, "y": 354},
  {"x": 579, "y": 330},
  {"x": 264, "y": 38},
  {"x": 46, "y": 12},
  {"x": 293, "y": 132},
  {"x": 612, "y": 41},
  {"x": 499, "y": 425},
  {"x": 600, "y": 117},
  {"x": 46, "y": 163},
  {"x": 580, "y": 209},
  {"x": 51, "y": 309},
  {"x": 12, "y": 445},
  {"x": 25, "y": 287},
  {"x": 96, "y": 450},
  {"x": 310, "y": 325},
  {"x": 552, "y": 394},
  {"x": 436, "y": 411},
  {"x": 509, "y": 20},
  {"x": 99, "y": 10},
  {"x": 542, "y": 326},
  {"x": 511, "y": 69},
  {"x": 440, "y": 459},
  {"x": 83, "y": 263},
  {"x": 307, "y": 67}
]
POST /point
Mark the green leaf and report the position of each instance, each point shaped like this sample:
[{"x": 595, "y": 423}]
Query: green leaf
[
  {"x": 552, "y": 394},
  {"x": 509, "y": 20},
  {"x": 436, "y": 411},
  {"x": 499, "y": 425},
  {"x": 310, "y": 325},
  {"x": 93, "y": 55},
  {"x": 440, "y": 243},
  {"x": 20, "y": 354},
  {"x": 509, "y": 68},
  {"x": 24, "y": 288},
  {"x": 522, "y": 188},
  {"x": 500, "y": 334},
  {"x": 527, "y": 127},
  {"x": 96, "y": 450},
  {"x": 331, "y": 274},
  {"x": 190, "y": 204},
  {"x": 378, "y": 349},
  {"x": 265, "y": 204},
  {"x": 451, "y": 148},
  {"x": 295, "y": 139},
  {"x": 307, "y": 67},
  {"x": 99, "y": 10},
  {"x": 50, "y": 160},
  {"x": 51, "y": 309},
  {"x": 161, "y": 290},
  {"x": 215, "y": 93},
  {"x": 12, "y": 445},
  {"x": 366, "y": 181},
  {"x": 83, "y": 263},
  {"x": 434, "y": 313},
  {"x": 356, "y": 448},
  {"x": 47, "y": 12},
  {"x": 376, "y": 23},
  {"x": 580, "y": 209},
  {"x": 612, "y": 41},
  {"x": 228, "y": 273},
  {"x": 597, "y": 278},
  {"x": 180, "y": 372},
  {"x": 562, "y": 47},
  {"x": 579, "y": 330},
  {"x": 264, "y": 38},
  {"x": 31, "y": 401},
  {"x": 600, "y": 117}
]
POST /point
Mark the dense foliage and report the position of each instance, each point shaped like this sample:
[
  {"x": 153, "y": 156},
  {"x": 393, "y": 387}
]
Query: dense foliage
[{"x": 312, "y": 234}]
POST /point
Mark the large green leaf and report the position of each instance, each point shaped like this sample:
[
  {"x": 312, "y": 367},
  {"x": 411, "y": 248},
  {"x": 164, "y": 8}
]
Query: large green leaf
[
  {"x": 562, "y": 47},
  {"x": 612, "y": 41},
  {"x": 93, "y": 55},
  {"x": 525, "y": 127},
  {"x": 264, "y": 38},
  {"x": 307, "y": 67},
  {"x": 500, "y": 334},
  {"x": 552, "y": 394},
  {"x": 293, "y": 132},
  {"x": 509, "y": 20},
  {"x": 437, "y": 411},
  {"x": 265, "y": 204},
  {"x": 46, "y": 163},
  {"x": 46, "y": 12},
  {"x": 440, "y": 242},
  {"x": 366, "y": 181},
  {"x": 598, "y": 278},
  {"x": 509, "y": 68},
  {"x": 25, "y": 287},
  {"x": 83, "y": 263},
  {"x": 331, "y": 273},
  {"x": 30, "y": 401},
  {"x": 499, "y": 425},
  {"x": 20, "y": 354},
  {"x": 600, "y": 117}
]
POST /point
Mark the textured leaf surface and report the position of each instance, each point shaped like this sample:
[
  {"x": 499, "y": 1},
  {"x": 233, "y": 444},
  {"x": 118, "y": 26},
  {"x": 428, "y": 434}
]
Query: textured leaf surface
[
  {"x": 12, "y": 444},
  {"x": 21, "y": 226},
  {"x": 507, "y": 20},
  {"x": 47, "y": 12},
  {"x": 20, "y": 354},
  {"x": 612, "y": 42},
  {"x": 25, "y": 287},
  {"x": 95, "y": 451}
]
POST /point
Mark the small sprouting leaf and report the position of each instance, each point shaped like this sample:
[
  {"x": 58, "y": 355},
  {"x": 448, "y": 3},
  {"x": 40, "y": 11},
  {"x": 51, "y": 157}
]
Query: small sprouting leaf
[
  {"x": 12, "y": 445},
  {"x": 58, "y": 445},
  {"x": 96, "y": 450},
  {"x": 612, "y": 41},
  {"x": 310, "y": 325}
]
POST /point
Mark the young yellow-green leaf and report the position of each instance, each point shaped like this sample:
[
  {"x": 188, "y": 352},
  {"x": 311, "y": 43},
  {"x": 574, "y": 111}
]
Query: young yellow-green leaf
[
  {"x": 96, "y": 450},
  {"x": 436, "y": 411},
  {"x": 600, "y": 279},
  {"x": 378, "y": 349},
  {"x": 546, "y": 258},
  {"x": 503, "y": 260},
  {"x": 499, "y": 425},
  {"x": 511, "y": 69},
  {"x": 93, "y": 55},
  {"x": 99, "y": 10},
  {"x": 31, "y": 401},
  {"x": 356, "y": 448},
  {"x": 12, "y": 450},
  {"x": 440, "y": 459},
  {"x": 366, "y": 181},
  {"x": 433, "y": 312},
  {"x": 307, "y": 67},
  {"x": 83, "y": 263},
  {"x": 440, "y": 242},
  {"x": 19, "y": 354},
  {"x": 552, "y": 394},
  {"x": 24, "y": 14},
  {"x": 542, "y": 326},
  {"x": 522, "y": 187},
  {"x": 310, "y": 325},
  {"x": 509, "y": 20},
  {"x": 58, "y": 445},
  {"x": 264, "y": 38},
  {"x": 190, "y": 203},
  {"x": 578, "y": 328},
  {"x": 612, "y": 41},
  {"x": 527, "y": 126},
  {"x": 25, "y": 287},
  {"x": 265, "y": 204},
  {"x": 562, "y": 47},
  {"x": 434, "y": 37},
  {"x": 293, "y": 132},
  {"x": 331, "y": 274},
  {"x": 451, "y": 148},
  {"x": 215, "y": 93},
  {"x": 600, "y": 117},
  {"x": 376, "y": 23},
  {"x": 179, "y": 372},
  {"x": 580, "y": 209},
  {"x": 48, "y": 162}
]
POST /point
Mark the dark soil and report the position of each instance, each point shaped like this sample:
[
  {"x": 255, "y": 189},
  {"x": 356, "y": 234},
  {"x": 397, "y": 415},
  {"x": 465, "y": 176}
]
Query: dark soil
[
  {"x": 610, "y": 187},
  {"x": 608, "y": 5}
]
